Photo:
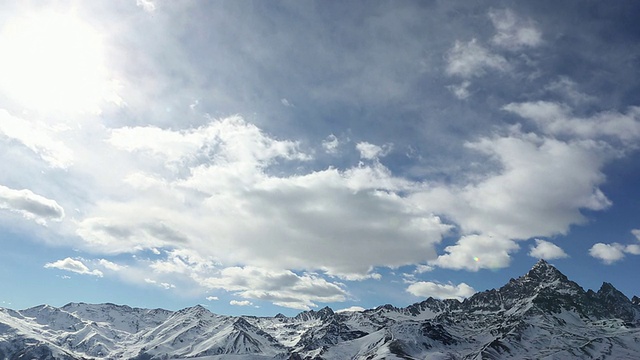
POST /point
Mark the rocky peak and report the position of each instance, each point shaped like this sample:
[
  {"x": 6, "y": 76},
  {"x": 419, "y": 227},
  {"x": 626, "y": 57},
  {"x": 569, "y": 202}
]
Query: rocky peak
[
  {"x": 612, "y": 301},
  {"x": 635, "y": 300},
  {"x": 543, "y": 277},
  {"x": 609, "y": 292},
  {"x": 433, "y": 305},
  {"x": 543, "y": 286},
  {"x": 323, "y": 314},
  {"x": 542, "y": 271}
]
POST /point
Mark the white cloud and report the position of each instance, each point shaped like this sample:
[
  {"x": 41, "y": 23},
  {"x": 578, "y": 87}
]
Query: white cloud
[
  {"x": 212, "y": 298},
  {"x": 30, "y": 205},
  {"x": 370, "y": 151},
  {"x": 512, "y": 32},
  {"x": 222, "y": 171},
  {"x": 475, "y": 252},
  {"x": 557, "y": 119},
  {"x": 240, "y": 303},
  {"x": 330, "y": 144},
  {"x": 351, "y": 309},
  {"x": 471, "y": 59},
  {"x": 146, "y": 5},
  {"x": 110, "y": 265},
  {"x": 440, "y": 291},
  {"x": 73, "y": 265},
  {"x": 283, "y": 288},
  {"x": 261, "y": 220},
  {"x": 608, "y": 253},
  {"x": 164, "y": 285},
  {"x": 547, "y": 250},
  {"x": 633, "y": 249},
  {"x": 538, "y": 190},
  {"x": 226, "y": 141},
  {"x": 420, "y": 269}
]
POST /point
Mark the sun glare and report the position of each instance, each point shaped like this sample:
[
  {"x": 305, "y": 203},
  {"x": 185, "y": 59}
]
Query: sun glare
[{"x": 54, "y": 62}]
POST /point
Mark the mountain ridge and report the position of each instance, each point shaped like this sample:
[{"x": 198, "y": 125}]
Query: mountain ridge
[{"x": 541, "y": 314}]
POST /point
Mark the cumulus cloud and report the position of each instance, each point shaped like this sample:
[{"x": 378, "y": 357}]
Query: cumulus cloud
[
  {"x": 470, "y": 59},
  {"x": 557, "y": 119},
  {"x": 240, "y": 303},
  {"x": 73, "y": 265},
  {"x": 440, "y": 291},
  {"x": 633, "y": 249},
  {"x": 283, "y": 288},
  {"x": 539, "y": 189},
  {"x": 513, "y": 32},
  {"x": 370, "y": 151},
  {"x": 475, "y": 252},
  {"x": 228, "y": 140},
  {"x": 221, "y": 172},
  {"x": 330, "y": 144},
  {"x": 614, "y": 252},
  {"x": 608, "y": 253},
  {"x": 30, "y": 205},
  {"x": 212, "y": 298},
  {"x": 547, "y": 250},
  {"x": 421, "y": 268}
]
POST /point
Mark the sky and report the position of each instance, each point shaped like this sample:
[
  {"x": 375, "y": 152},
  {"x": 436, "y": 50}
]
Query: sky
[{"x": 264, "y": 157}]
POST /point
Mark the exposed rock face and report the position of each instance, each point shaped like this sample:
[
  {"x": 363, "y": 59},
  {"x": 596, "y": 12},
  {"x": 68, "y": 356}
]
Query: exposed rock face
[{"x": 539, "y": 315}]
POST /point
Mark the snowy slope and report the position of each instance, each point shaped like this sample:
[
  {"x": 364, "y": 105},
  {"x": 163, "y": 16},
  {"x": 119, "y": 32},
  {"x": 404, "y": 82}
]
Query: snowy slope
[{"x": 541, "y": 315}]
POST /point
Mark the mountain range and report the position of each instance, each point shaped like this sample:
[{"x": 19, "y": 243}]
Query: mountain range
[{"x": 541, "y": 315}]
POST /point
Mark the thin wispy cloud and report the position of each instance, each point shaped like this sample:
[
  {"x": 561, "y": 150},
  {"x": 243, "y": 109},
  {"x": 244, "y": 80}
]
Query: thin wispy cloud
[{"x": 73, "y": 265}]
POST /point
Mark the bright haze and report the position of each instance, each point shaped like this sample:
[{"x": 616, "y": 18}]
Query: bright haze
[{"x": 259, "y": 157}]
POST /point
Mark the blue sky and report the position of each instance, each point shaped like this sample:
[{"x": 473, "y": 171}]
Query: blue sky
[{"x": 262, "y": 157}]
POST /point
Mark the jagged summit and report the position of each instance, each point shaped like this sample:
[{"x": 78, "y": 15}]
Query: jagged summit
[
  {"x": 322, "y": 314},
  {"x": 543, "y": 271},
  {"x": 607, "y": 290},
  {"x": 543, "y": 278}
]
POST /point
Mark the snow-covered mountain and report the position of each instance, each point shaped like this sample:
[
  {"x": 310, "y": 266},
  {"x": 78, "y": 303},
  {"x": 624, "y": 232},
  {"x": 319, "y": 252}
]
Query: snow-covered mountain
[{"x": 541, "y": 315}]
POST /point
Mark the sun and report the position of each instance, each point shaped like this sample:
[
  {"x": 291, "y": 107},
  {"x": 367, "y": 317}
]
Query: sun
[{"x": 54, "y": 62}]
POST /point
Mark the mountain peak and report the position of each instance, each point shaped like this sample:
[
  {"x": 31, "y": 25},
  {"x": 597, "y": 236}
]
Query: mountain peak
[
  {"x": 322, "y": 314},
  {"x": 543, "y": 271}
]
